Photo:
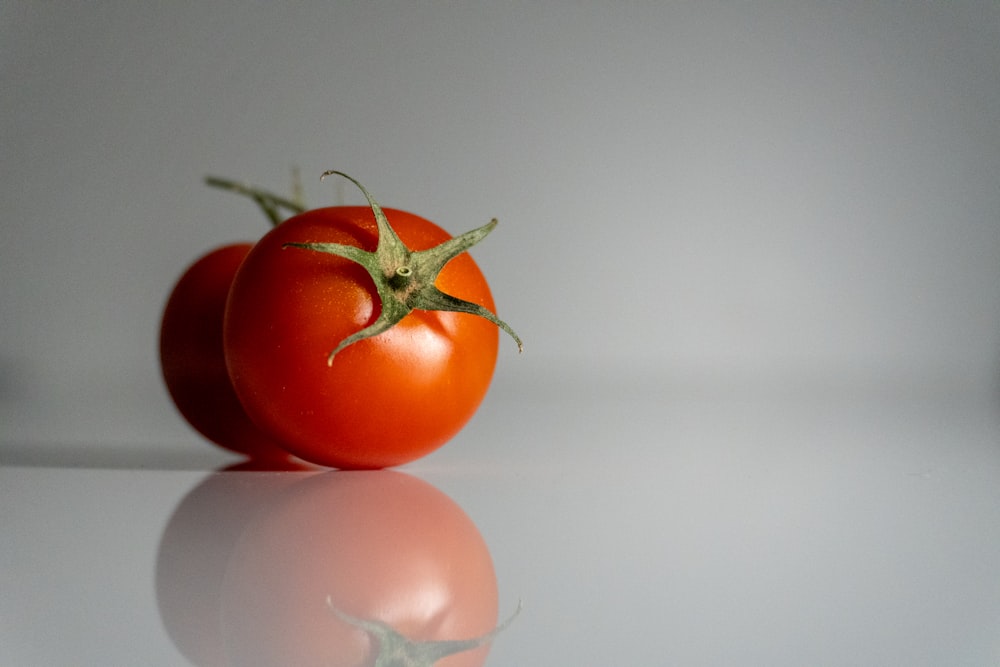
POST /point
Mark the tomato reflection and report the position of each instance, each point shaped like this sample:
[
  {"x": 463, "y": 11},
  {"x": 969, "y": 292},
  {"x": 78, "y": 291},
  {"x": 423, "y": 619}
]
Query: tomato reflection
[
  {"x": 195, "y": 550},
  {"x": 338, "y": 569}
]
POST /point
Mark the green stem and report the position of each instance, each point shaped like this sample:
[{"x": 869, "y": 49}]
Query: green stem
[
  {"x": 401, "y": 277},
  {"x": 404, "y": 278},
  {"x": 269, "y": 203}
]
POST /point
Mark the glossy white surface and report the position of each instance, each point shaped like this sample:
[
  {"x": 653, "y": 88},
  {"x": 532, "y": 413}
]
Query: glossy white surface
[{"x": 642, "y": 523}]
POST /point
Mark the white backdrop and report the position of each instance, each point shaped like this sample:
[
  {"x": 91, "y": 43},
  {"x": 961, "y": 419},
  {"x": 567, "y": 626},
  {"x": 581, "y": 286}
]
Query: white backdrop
[{"x": 743, "y": 190}]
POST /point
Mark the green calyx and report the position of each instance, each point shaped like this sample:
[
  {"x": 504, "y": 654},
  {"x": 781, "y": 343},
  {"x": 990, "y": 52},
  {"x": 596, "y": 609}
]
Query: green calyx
[
  {"x": 404, "y": 278},
  {"x": 395, "y": 650}
]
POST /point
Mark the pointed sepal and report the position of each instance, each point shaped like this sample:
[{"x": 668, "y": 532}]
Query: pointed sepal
[{"x": 404, "y": 278}]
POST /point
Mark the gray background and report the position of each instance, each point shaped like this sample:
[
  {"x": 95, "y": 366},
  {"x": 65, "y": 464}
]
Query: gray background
[
  {"x": 753, "y": 249},
  {"x": 750, "y": 192}
]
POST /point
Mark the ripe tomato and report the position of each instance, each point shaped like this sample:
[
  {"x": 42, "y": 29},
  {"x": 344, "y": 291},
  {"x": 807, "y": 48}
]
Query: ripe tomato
[
  {"x": 192, "y": 361},
  {"x": 344, "y": 568},
  {"x": 382, "y": 401}
]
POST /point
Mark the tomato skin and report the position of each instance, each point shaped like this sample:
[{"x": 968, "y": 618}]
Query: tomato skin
[
  {"x": 380, "y": 546},
  {"x": 385, "y": 400},
  {"x": 192, "y": 360}
]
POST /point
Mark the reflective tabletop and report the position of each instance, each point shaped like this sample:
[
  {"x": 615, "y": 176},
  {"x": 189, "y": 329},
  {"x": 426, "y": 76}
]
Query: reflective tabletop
[
  {"x": 593, "y": 523},
  {"x": 752, "y": 250}
]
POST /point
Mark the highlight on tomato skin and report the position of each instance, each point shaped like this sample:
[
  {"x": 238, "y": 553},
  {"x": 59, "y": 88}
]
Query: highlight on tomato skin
[{"x": 345, "y": 567}]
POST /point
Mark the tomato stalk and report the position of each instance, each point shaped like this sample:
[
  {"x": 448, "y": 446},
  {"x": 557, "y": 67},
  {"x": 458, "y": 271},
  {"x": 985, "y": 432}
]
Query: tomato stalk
[
  {"x": 404, "y": 278},
  {"x": 270, "y": 203}
]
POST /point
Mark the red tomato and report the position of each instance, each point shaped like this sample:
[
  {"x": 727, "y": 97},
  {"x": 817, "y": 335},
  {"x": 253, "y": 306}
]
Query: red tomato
[
  {"x": 384, "y": 400},
  {"x": 192, "y": 360},
  {"x": 380, "y": 547}
]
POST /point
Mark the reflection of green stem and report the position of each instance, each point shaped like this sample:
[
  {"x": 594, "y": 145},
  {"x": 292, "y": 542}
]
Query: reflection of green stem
[
  {"x": 395, "y": 650},
  {"x": 269, "y": 203}
]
